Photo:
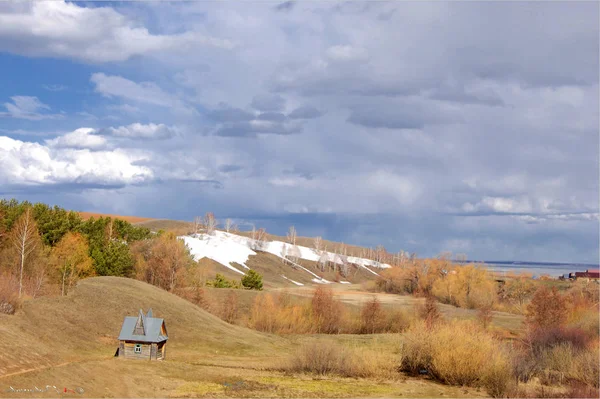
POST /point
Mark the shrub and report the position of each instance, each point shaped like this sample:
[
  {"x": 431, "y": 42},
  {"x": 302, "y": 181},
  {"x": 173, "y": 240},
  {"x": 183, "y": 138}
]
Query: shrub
[
  {"x": 539, "y": 339},
  {"x": 252, "y": 280},
  {"x": 221, "y": 282},
  {"x": 457, "y": 353},
  {"x": 230, "y": 308},
  {"x": 263, "y": 314},
  {"x": 324, "y": 358},
  {"x": 547, "y": 309},
  {"x": 9, "y": 300},
  {"x": 326, "y": 311},
  {"x": 485, "y": 315},
  {"x": 372, "y": 317},
  {"x": 430, "y": 312}
]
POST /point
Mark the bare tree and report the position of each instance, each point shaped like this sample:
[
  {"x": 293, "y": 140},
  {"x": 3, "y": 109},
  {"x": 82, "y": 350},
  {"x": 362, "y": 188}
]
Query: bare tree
[
  {"x": 380, "y": 254},
  {"x": 261, "y": 238},
  {"x": 25, "y": 239},
  {"x": 461, "y": 258},
  {"x": 228, "y": 225},
  {"x": 291, "y": 235},
  {"x": 210, "y": 222},
  {"x": 323, "y": 259},
  {"x": 197, "y": 225},
  {"x": 318, "y": 243}
]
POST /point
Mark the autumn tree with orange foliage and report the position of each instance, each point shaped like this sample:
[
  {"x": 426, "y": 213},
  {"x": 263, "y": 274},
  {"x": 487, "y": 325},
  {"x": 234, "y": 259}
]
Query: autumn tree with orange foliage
[
  {"x": 547, "y": 309},
  {"x": 71, "y": 261}
]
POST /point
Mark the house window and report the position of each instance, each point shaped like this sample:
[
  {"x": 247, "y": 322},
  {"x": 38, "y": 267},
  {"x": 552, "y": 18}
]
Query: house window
[{"x": 137, "y": 348}]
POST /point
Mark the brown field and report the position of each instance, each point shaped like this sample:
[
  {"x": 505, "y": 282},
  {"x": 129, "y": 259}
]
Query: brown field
[{"x": 70, "y": 341}]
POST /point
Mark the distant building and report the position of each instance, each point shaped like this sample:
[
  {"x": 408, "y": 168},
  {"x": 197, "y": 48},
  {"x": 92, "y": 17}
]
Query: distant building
[
  {"x": 143, "y": 337},
  {"x": 590, "y": 274}
]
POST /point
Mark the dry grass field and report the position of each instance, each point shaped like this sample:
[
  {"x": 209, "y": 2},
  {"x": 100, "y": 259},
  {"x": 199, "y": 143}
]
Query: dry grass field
[{"x": 70, "y": 341}]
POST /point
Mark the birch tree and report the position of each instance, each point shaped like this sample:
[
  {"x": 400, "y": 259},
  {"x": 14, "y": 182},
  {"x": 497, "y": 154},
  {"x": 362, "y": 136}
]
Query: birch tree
[
  {"x": 291, "y": 235},
  {"x": 71, "y": 260},
  {"x": 318, "y": 243},
  {"x": 228, "y": 225},
  {"x": 197, "y": 225},
  {"x": 210, "y": 223},
  {"x": 24, "y": 239}
]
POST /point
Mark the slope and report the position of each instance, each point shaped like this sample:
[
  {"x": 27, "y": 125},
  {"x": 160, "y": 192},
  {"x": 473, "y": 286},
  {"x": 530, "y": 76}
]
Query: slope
[{"x": 85, "y": 325}]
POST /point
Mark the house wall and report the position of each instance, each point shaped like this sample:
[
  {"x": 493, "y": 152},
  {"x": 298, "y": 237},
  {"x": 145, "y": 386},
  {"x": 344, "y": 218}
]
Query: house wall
[
  {"x": 161, "y": 351},
  {"x": 129, "y": 353}
]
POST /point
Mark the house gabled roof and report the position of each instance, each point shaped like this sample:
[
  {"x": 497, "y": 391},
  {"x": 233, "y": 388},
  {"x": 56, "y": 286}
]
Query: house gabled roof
[{"x": 151, "y": 328}]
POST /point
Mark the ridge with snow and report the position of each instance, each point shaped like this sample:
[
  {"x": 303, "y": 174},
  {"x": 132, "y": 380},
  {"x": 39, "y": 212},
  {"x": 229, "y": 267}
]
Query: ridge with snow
[{"x": 227, "y": 248}]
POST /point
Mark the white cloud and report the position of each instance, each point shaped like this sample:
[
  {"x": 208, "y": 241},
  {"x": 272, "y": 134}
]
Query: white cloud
[
  {"x": 143, "y": 92},
  {"x": 55, "y": 87},
  {"x": 27, "y": 164},
  {"x": 149, "y": 131},
  {"x": 346, "y": 53},
  {"x": 98, "y": 34},
  {"x": 28, "y": 107},
  {"x": 81, "y": 138}
]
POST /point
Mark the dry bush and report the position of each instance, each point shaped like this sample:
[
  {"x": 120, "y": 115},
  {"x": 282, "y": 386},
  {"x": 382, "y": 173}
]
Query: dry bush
[
  {"x": 539, "y": 339},
  {"x": 263, "y": 314},
  {"x": 468, "y": 287},
  {"x": 9, "y": 299},
  {"x": 572, "y": 391},
  {"x": 230, "y": 308},
  {"x": 325, "y": 358},
  {"x": 396, "y": 280},
  {"x": 372, "y": 318},
  {"x": 279, "y": 315},
  {"x": 327, "y": 312},
  {"x": 458, "y": 353},
  {"x": 587, "y": 367},
  {"x": 547, "y": 309},
  {"x": 485, "y": 315},
  {"x": 430, "y": 312},
  {"x": 398, "y": 320}
]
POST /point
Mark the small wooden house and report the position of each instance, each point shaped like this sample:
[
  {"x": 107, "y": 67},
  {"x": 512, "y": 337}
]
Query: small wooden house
[{"x": 143, "y": 337}]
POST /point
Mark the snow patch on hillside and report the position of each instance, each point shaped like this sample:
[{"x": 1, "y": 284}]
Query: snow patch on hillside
[
  {"x": 289, "y": 279},
  {"x": 219, "y": 248},
  {"x": 226, "y": 248}
]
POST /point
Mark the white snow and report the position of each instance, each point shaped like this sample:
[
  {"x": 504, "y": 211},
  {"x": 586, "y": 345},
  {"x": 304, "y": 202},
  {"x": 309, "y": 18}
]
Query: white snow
[
  {"x": 219, "y": 248},
  {"x": 227, "y": 248},
  {"x": 345, "y": 282},
  {"x": 320, "y": 281},
  {"x": 289, "y": 279}
]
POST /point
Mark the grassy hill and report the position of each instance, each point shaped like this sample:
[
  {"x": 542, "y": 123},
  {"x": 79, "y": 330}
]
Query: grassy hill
[{"x": 70, "y": 342}]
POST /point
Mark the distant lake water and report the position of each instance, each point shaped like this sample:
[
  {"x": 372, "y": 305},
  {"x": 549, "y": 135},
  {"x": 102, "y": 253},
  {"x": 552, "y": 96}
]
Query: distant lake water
[{"x": 535, "y": 268}]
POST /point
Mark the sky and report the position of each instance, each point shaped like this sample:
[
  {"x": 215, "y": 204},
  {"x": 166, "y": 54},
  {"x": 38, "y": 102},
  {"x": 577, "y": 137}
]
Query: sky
[{"x": 469, "y": 127}]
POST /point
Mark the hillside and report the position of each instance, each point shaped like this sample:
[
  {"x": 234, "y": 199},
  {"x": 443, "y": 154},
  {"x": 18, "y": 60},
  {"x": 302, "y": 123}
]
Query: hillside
[
  {"x": 70, "y": 341},
  {"x": 279, "y": 262},
  {"x": 88, "y": 322}
]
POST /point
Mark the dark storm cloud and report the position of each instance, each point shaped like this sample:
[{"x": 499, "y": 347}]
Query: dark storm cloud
[
  {"x": 252, "y": 128},
  {"x": 305, "y": 112},
  {"x": 230, "y": 114},
  {"x": 286, "y": 6},
  {"x": 271, "y": 116},
  {"x": 268, "y": 102},
  {"x": 402, "y": 115},
  {"x": 230, "y": 168}
]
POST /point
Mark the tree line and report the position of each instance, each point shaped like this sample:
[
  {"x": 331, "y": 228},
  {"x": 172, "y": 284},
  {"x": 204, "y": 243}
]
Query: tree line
[{"x": 45, "y": 250}]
